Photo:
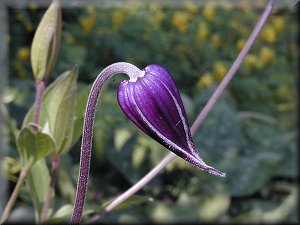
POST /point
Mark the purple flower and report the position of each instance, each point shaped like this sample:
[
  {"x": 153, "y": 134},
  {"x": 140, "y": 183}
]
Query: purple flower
[{"x": 153, "y": 103}]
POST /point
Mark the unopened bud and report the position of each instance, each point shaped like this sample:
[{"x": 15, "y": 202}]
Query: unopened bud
[{"x": 46, "y": 42}]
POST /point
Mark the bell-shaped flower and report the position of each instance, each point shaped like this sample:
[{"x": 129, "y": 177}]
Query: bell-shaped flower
[{"x": 153, "y": 103}]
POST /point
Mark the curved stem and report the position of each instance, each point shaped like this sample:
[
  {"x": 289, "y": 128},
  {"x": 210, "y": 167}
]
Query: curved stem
[
  {"x": 86, "y": 145},
  {"x": 170, "y": 156},
  {"x": 23, "y": 175}
]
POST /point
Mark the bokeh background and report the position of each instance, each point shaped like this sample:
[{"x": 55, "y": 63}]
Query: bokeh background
[{"x": 251, "y": 133}]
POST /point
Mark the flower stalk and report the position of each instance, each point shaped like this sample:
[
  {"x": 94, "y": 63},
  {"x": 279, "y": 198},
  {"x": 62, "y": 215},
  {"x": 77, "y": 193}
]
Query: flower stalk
[{"x": 86, "y": 145}]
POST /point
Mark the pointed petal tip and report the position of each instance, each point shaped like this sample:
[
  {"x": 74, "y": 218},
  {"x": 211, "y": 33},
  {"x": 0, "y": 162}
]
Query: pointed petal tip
[
  {"x": 199, "y": 163},
  {"x": 213, "y": 171},
  {"x": 216, "y": 172},
  {"x": 196, "y": 160}
]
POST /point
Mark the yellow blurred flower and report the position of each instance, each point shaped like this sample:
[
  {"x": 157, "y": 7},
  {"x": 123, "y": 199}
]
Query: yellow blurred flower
[
  {"x": 157, "y": 17},
  {"x": 203, "y": 32},
  {"x": 205, "y": 81},
  {"x": 23, "y": 54},
  {"x": 180, "y": 21},
  {"x": 209, "y": 12},
  {"x": 219, "y": 70},
  {"x": 191, "y": 7},
  {"x": 90, "y": 9},
  {"x": 226, "y": 5},
  {"x": 240, "y": 44},
  {"x": 268, "y": 34},
  {"x": 33, "y": 6},
  {"x": 245, "y": 5},
  {"x": 118, "y": 18},
  {"x": 278, "y": 24},
  {"x": 266, "y": 55},
  {"x": 260, "y": 4},
  {"x": 216, "y": 41},
  {"x": 88, "y": 24},
  {"x": 251, "y": 61}
]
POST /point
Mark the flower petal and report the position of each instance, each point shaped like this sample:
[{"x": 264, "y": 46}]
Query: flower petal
[{"x": 153, "y": 103}]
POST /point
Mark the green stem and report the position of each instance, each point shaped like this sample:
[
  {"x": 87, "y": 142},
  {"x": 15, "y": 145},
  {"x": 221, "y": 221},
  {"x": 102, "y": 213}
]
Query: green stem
[
  {"x": 40, "y": 87},
  {"x": 23, "y": 175},
  {"x": 54, "y": 170}
]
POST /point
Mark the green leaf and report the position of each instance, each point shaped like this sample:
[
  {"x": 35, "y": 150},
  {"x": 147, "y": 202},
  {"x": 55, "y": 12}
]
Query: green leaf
[
  {"x": 57, "y": 116},
  {"x": 43, "y": 113},
  {"x": 250, "y": 174},
  {"x": 60, "y": 106},
  {"x": 81, "y": 101},
  {"x": 122, "y": 135},
  {"x": 38, "y": 182},
  {"x": 214, "y": 207},
  {"x": 34, "y": 145},
  {"x": 64, "y": 213}
]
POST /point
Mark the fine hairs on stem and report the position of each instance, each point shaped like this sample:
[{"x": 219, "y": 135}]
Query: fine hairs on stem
[
  {"x": 86, "y": 145},
  {"x": 213, "y": 99}
]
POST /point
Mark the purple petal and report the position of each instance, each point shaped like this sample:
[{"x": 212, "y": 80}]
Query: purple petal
[{"x": 154, "y": 104}]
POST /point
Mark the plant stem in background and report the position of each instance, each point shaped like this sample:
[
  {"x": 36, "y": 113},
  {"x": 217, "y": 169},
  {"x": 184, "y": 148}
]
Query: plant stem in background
[
  {"x": 232, "y": 71},
  {"x": 54, "y": 170},
  {"x": 23, "y": 175},
  {"x": 40, "y": 87}
]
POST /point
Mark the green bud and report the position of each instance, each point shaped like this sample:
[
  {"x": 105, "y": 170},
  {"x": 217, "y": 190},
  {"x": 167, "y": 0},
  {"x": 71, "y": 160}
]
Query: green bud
[{"x": 46, "y": 42}]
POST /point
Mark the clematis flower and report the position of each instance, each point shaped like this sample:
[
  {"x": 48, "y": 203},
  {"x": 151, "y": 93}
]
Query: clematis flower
[{"x": 153, "y": 103}]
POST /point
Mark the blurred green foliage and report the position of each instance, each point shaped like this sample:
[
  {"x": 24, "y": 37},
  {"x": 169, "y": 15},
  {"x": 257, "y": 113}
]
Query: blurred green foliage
[{"x": 251, "y": 133}]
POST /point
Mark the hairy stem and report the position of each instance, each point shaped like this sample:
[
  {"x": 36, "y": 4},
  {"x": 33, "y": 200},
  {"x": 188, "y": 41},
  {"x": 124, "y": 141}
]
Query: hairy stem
[
  {"x": 50, "y": 193},
  {"x": 23, "y": 175},
  {"x": 86, "y": 144},
  {"x": 40, "y": 88},
  {"x": 202, "y": 115}
]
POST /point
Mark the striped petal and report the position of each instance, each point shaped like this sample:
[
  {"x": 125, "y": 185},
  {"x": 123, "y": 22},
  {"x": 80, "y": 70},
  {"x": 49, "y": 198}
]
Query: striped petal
[{"x": 153, "y": 103}]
